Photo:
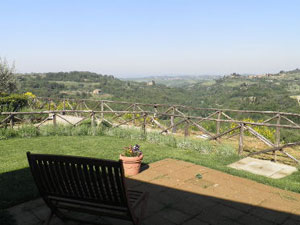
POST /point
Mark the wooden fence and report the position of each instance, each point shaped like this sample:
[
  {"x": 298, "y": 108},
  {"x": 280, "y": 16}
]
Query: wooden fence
[{"x": 166, "y": 118}]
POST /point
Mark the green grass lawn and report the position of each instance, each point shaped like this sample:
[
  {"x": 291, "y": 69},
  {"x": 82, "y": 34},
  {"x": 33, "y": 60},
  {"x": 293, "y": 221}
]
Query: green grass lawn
[{"x": 16, "y": 184}]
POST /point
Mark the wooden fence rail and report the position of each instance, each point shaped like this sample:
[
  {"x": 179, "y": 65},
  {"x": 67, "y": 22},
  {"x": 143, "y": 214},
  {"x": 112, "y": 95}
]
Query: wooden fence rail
[{"x": 174, "y": 116}]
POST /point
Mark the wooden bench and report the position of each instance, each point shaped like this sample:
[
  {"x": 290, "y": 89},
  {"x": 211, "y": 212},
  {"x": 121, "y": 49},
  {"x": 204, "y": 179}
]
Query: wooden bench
[{"x": 85, "y": 185}]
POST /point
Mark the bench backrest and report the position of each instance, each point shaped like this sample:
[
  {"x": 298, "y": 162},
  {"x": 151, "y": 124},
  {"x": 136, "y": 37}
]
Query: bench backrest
[{"x": 79, "y": 178}]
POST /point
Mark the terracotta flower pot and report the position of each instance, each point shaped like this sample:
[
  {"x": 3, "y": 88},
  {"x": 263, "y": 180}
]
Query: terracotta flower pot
[{"x": 131, "y": 165}]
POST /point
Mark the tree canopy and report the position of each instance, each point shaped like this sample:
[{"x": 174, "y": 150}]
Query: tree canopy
[{"x": 7, "y": 79}]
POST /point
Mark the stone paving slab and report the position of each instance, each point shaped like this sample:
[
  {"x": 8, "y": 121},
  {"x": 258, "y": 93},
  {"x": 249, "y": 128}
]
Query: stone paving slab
[
  {"x": 178, "y": 197},
  {"x": 263, "y": 167}
]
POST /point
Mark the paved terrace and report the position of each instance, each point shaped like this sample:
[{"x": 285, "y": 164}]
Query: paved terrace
[{"x": 177, "y": 196}]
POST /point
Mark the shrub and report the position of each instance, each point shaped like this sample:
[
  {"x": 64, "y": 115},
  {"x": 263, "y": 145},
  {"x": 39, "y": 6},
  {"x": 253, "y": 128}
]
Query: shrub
[
  {"x": 49, "y": 130},
  {"x": 105, "y": 123},
  {"x": 157, "y": 138},
  {"x": 288, "y": 136},
  {"x": 96, "y": 131},
  {"x": 13, "y": 102},
  {"x": 80, "y": 130},
  {"x": 30, "y": 95},
  {"x": 225, "y": 150},
  {"x": 86, "y": 122},
  {"x": 209, "y": 125},
  {"x": 125, "y": 133},
  {"x": 7, "y": 79},
  {"x": 138, "y": 118},
  {"x": 65, "y": 105},
  {"x": 265, "y": 131},
  {"x": 7, "y": 133},
  {"x": 23, "y": 132},
  {"x": 204, "y": 146},
  {"x": 27, "y": 131},
  {"x": 118, "y": 132},
  {"x": 185, "y": 144}
]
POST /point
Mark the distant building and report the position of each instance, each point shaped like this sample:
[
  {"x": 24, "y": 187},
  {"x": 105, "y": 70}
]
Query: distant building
[
  {"x": 151, "y": 83},
  {"x": 97, "y": 91},
  {"x": 234, "y": 75}
]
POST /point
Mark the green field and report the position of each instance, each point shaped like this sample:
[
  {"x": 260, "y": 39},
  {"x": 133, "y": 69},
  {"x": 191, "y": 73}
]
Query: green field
[{"x": 17, "y": 186}]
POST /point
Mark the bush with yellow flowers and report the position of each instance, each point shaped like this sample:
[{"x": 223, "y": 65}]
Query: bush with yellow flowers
[{"x": 267, "y": 132}]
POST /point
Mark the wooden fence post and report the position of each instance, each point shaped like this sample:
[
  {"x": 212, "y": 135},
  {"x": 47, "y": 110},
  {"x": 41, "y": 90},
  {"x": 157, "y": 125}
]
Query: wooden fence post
[
  {"x": 241, "y": 139},
  {"x": 277, "y": 140},
  {"x": 144, "y": 123},
  {"x": 54, "y": 119},
  {"x": 172, "y": 121},
  {"x": 134, "y": 109},
  {"x": 102, "y": 109},
  {"x": 218, "y": 123},
  {"x": 64, "y": 107},
  {"x": 12, "y": 122},
  {"x": 155, "y": 111},
  {"x": 186, "y": 128},
  {"x": 93, "y": 120}
]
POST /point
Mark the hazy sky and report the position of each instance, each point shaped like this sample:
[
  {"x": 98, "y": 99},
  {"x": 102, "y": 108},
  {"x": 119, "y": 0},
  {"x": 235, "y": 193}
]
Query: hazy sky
[{"x": 139, "y": 37}]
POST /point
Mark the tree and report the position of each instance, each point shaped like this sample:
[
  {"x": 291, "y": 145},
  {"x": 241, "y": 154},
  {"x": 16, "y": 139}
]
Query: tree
[{"x": 7, "y": 79}]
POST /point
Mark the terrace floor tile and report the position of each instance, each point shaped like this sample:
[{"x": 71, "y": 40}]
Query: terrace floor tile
[{"x": 178, "y": 196}]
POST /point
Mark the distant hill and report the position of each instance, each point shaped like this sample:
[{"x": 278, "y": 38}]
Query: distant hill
[
  {"x": 175, "y": 81},
  {"x": 78, "y": 84},
  {"x": 257, "y": 92}
]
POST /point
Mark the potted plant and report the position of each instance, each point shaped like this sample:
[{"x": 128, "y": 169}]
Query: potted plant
[{"x": 132, "y": 159}]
